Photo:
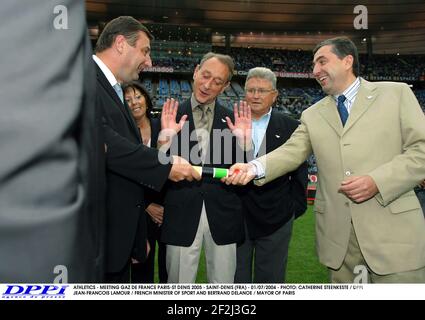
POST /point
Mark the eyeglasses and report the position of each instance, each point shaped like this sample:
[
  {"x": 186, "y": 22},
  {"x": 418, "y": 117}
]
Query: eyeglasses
[{"x": 260, "y": 91}]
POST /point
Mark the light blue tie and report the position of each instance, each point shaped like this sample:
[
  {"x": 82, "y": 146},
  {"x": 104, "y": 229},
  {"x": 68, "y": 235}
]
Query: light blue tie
[
  {"x": 342, "y": 110},
  {"x": 119, "y": 92}
]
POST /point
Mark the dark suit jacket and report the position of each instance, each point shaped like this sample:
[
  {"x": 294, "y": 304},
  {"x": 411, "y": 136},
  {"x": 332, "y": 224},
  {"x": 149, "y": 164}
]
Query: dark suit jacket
[
  {"x": 269, "y": 207},
  {"x": 150, "y": 194},
  {"x": 130, "y": 166},
  {"x": 183, "y": 200}
]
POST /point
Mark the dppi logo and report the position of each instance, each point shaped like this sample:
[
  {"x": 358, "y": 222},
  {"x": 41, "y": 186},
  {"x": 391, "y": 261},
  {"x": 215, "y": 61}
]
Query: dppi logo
[{"x": 34, "y": 291}]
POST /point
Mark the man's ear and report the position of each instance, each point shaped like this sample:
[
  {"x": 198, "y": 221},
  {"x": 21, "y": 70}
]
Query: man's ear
[
  {"x": 349, "y": 61},
  {"x": 119, "y": 43}
]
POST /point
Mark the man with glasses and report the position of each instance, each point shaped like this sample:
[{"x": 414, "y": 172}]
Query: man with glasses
[{"x": 269, "y": 211}]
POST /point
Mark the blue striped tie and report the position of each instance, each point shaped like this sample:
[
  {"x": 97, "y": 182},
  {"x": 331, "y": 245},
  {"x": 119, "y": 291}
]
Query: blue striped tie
[
  {"x": 119, "y": 92},
  {"x": 342, "y": 110}
]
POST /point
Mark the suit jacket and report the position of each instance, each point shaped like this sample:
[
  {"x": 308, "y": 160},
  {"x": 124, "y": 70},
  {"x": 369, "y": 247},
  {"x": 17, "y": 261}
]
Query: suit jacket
[
  {"x": 183, "y": 200},
  {"x": 384, "y": 137},
  {"x": 130, "y": 166},
  {"x": 150, "y": 194},
  {"x": 46, "y": 132},
  {"x": 268, "y": 208}
]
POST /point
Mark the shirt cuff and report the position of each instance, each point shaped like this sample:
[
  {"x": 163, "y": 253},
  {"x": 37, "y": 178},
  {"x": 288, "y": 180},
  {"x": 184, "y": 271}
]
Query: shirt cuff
[{"x": 259, "y": 170}]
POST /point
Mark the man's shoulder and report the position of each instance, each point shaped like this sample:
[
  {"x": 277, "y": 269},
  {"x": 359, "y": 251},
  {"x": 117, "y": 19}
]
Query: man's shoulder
[
  {"x": 384, "y": 84},
  {"x": 219, "y": 104},
  {"x": 185, "y": 103},
  {"x": 184, "y": 107},
  {"x": 281, "y": 117},
  {"x": 317, "y": 105},
  {"x": 222, "y": 109}
]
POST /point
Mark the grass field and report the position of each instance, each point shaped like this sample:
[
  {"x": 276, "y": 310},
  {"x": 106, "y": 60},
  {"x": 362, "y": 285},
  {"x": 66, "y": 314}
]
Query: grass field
[{"x": 303, "y": 265}]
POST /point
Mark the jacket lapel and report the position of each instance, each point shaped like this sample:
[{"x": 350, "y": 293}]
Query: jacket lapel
[
  {"x": 186, "y": 108},
  {"x": 219, "y": 121},
  {"x": 273, "y": 136},
  {"x": 365, "y": 97},
  {"x": 329, "y": 112},
  {"x": 123, "y": 107}
]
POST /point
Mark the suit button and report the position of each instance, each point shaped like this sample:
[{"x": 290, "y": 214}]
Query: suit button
[
  {"x": 348, "y": 173},
  {"x": 139, "y": 205},
  {"x": 347, "y": 204}
]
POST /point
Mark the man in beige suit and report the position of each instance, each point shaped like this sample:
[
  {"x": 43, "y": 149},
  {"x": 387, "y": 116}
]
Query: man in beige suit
[{"x": 368, "y": 219}]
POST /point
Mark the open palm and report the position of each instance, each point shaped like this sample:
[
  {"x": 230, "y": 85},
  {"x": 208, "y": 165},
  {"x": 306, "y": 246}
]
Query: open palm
[
  {"x": 168, "y": 116},
  {"x": 242, "y": 127}
]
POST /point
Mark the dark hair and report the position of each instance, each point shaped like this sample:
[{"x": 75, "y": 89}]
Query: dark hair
[
  {"x": 342, "y": 47},
  {"x": 126, "y": 26},
  {"x": 137, "y": 85},
  {"x": 223, "y": 58}
]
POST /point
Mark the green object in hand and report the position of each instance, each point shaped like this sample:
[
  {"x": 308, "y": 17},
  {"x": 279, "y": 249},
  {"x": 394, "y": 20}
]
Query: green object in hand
[{"x": 217, "y": 173}]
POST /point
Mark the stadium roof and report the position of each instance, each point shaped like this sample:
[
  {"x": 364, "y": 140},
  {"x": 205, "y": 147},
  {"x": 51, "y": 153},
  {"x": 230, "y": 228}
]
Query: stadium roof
[{"x": 394, "y": 26}]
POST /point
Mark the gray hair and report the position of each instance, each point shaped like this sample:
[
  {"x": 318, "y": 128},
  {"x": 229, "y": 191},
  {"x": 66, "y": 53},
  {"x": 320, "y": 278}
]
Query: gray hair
[
  {"x": 262, "y": 73},
  {"x": 223, "y": 58}
]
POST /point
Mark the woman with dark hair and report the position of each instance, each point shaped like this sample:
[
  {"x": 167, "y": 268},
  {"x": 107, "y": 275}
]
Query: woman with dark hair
[{"x": 140, "y": 103}]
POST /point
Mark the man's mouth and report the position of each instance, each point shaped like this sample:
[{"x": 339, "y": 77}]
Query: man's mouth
[
  {"x": 203, "y": 93},
  {"x": 322, "y": 80}
]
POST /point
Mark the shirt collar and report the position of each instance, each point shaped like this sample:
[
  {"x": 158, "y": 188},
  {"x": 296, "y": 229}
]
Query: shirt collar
[
  {"x": 264, "y": 116},
  {"x": 351, "y": 92},
  {"x": 194, "y": 103},
  {"x": 106, "y": 71}
]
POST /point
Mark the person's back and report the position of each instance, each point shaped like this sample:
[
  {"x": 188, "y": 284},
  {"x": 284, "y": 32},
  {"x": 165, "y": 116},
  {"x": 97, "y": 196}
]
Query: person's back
[{"x": 48, "y": 224}]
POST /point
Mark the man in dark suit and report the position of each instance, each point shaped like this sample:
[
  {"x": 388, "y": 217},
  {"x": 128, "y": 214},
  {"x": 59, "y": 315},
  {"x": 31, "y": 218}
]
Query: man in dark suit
[
  {"x": 122, "y": 52},
  {"x": 207, "y": 212},
  {"x": 269, "y": 211},
  {"x": 47, "y": 204}
]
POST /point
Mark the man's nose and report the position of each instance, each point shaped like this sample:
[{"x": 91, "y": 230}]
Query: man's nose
[
  {"x": 148, "y": 62},
  {"x": 207, "y": 83},
  {"x": 316, "y": 70},
  {"x": 131, "y": 102}
]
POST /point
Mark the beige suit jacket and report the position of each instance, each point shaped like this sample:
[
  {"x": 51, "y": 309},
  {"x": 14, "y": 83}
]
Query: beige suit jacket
[{"x": 384, "y": 137}]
